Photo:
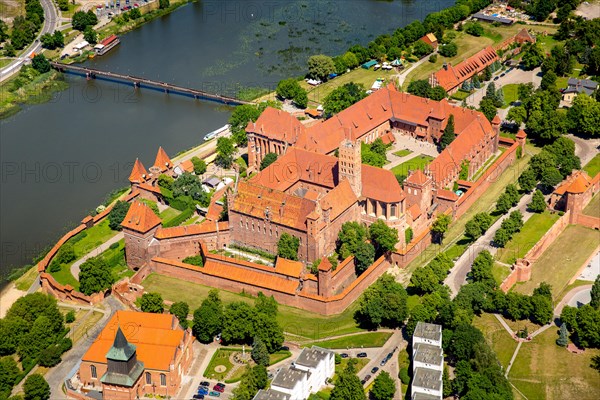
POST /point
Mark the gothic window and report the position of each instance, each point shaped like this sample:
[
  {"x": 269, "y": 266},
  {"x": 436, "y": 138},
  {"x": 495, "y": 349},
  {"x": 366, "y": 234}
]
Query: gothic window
[
  {"x": 148, "y": 378},
  {"x": 93, "y": 371},
  {"x": 163, "y": 380},
  {"x": 393, "y": 212}
]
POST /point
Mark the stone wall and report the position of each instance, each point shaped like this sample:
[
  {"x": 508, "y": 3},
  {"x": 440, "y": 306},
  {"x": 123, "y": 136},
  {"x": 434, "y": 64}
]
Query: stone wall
[
  {"x": 587, "y": 221},
  {"x": 67, "y": 292}
]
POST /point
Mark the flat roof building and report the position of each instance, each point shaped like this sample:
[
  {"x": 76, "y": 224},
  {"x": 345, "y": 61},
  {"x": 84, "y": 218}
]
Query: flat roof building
[
  {"x": 427, "y": 381},
  {"x": 428, "y": 334},
  {"x": 428, "y": 356},
  {"x": 428, "y": 362}
]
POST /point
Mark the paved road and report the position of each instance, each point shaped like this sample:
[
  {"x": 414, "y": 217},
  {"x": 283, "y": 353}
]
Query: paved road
[
  {"x": 580, "y": 293},
  {"x": 50, "y": 22},
  {"x": 56, "y": 376},
  {"x": 585, "y": 149},
  {"x": 458, "y": 274}
]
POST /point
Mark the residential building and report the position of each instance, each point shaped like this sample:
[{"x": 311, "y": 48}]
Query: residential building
[
  {"x": 428, "y": 362},
  {"x": 135, "y": 355},
  {"x": 308, "y": 374},
  {"x": 427, "y": 333},
  {"x": 452, "y": 77},
  {"x": 431, "y": 40},
  {"x": 576, "y": 86}
]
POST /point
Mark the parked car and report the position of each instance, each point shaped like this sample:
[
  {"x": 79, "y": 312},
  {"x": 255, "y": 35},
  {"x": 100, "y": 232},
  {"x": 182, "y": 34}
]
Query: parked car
[
  {"x": 496, "y": 78},
  {"x": 204, "y": 383},
  {"x": 367, "y": 377},
  {"x": 203, "y": 390},
  {"x": 219, "y": 388},
  {"x": 285, "y": 348},
  {"x": 198, "y": 397},
  {"x": 363, "y": 382},
  {"x": 361, "y": 355},
  {"x": 374, "y": 370},
  {"x": 344, "y": 355},
  {"x": 214, "y": 394}
]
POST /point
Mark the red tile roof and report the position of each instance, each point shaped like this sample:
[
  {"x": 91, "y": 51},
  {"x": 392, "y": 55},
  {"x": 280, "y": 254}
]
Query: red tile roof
[
  {"x": 187, "y": 166},
  {"x": 447, "y": 195},
  {"x": 381, "y": 184},
  {"x": 417, "y": 177},
  {"x": 277, "y": 124},
  {"x": 155, "y": 336},
  {"x": 162, "y": 161},
  {"x": 414, "y": 211},
  {"x": 325, "y": 265},
  {"x": 189, "y": 230},
  {"x": 452, "y": 76},
  {"x": 578, "y": 182},
  {"x": 289, "y": 267},
  {"x": 521, "y": 134},
  {"x": 430, "y": 39},
  {"x": 339, "y": 199},
  {"x": 140, "y": 218},
  {"x": 138, "y": 172}
]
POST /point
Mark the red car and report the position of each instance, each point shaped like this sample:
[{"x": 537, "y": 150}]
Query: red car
[{"x": 219, "y": 387}]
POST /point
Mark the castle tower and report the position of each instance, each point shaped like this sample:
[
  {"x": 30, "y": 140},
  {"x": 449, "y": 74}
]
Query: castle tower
[
  {"x": 496, "y": 122},
  {"x": 139, "y": 226},
  {"x": 350, "y": 166}
]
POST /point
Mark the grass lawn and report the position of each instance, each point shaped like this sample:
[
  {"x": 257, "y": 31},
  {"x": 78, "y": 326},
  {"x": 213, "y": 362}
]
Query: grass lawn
[
  {"x": 168, "y": 214},
  {"x": 562, "y": 260},
  {"x": 310, "y": 326},
  {"x": 25, "y": 281},
  {"x": 82, "y": 329},
  {"x": 370, "y": 339},
  {"x": 593, "y": 167},
  {"x": 279, "y": 356},
  {"x": 417, "y": 162},
  {"x": 95, "y": 236},
  {"x": 65, "y": 277},
  {"x": 402, "y": 153},
  {"x": 543, "y": 370},
  {"x": 460, "y": 95},
  {"x": 485, "y": 203},
  {"x": 501, "y": 342},
  {"x": 547, "y": 42},
  {"x": 412, "y": 300},
  {"x": 116, "y": 259},
  {"x": 593, "y": 207},
  {"x": 360, "y": 364},
  {"x": 219, "y": 359},
  {"x": 510, "y": 94},
  {"x": 403, "y": 362},
  {"x": 530, "y": 234},
  {"x": 500, "y": 272}
]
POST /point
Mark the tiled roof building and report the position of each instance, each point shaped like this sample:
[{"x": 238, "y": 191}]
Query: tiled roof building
[
  {"x": 451, "y": 77},
  {"x": 137, "y": 354}
]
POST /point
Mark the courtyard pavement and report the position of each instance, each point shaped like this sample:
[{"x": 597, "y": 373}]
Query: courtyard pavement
[{"x": 415, "y": 146}]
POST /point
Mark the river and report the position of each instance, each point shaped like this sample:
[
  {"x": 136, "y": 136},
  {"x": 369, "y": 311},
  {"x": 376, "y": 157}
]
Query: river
[{"x": 60, "y": 159}]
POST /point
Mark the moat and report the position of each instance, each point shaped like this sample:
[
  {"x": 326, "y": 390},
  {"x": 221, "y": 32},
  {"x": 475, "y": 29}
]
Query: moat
[{"x": 60, "y": 159}]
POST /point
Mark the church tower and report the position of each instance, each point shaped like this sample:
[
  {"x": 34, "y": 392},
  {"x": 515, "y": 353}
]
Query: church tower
[{"x": 350, "y": 166}]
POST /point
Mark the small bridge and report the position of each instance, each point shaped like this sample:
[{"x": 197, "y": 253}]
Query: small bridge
[{"x": 91, "y": 73}]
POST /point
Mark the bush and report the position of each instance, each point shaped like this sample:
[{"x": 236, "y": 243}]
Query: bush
[
  {"x": 433, "y": 58},
  {"x": 114, "y": 245},
  {"x": 194, "y": 260},
  {"x": 449, "y": 50},
  {"x": 179, "y": 219},
  {"x": 65, "y": 344},
  {"x": 49, "y": 357},
  {"x": 70, "y": 317},
  {"x": 55, "y": 266},
  {"x": 403, "y": 375},
  {"x": 117, "y": 215}
]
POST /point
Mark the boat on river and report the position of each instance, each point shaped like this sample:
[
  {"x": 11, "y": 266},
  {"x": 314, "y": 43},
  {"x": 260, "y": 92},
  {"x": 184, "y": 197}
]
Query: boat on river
[{"x": 215, "y": 133}]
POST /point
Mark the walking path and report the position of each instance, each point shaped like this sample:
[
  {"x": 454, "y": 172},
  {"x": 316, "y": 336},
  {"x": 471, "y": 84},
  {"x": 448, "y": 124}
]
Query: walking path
[
  {"x": 417, "y": 147},
  {"x": 404, "y": 74},
  {"x": 93, "y": 253}
]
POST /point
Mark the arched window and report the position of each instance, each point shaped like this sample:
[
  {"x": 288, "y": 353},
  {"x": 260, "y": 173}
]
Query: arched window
[
  {"x": 148, "y": 378},
  {"x": 163, "y": 380},
  {"x": 93, "y": 371}
]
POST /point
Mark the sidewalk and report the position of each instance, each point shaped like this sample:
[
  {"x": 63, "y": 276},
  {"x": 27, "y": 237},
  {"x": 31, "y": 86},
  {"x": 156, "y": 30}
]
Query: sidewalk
[{"x": 93, "y": 253}]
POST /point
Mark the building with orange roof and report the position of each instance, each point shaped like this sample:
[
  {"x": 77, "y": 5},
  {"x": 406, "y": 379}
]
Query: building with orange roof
[
  {"x": 139, "y": 226},
  {"x": 575, "y": 192},
  {"x": 137, "y": 354},
  {"x": 451, "y": 77},
  {"x": 162, "y": 163},
  {"x": 431, "y": 40},
  {"x": 138, "y": 173}
]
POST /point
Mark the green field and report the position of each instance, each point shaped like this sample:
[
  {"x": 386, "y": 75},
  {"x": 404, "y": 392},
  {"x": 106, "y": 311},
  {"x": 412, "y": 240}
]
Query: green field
[
  {"x": 360, "y": 364},
  {"x": 510, "y": 94},
  {"x": 370, "y": 339},
  {"x": 561, "y": 260},
  {"x": 543, "y": 370},
  {"x": 593, "y": 166},
  {"x": 530, "y": 234},
  {"x": 500, "y": 272},
  {"x": 94, "y": 237},
  {"x": 402, "y": 153},
  {"x": 279, "y": 356},
  {"x": 593, "y": 207},
  {"x": 168, "y": 214},
  {"x": 498, "y": 338},
  {"x": 460, "y": 95},
  {"x": 417, "y": 162},
  {"x": 64, "y": 277},
  {"x": 297, "y": 322},
  {"x": 25, "y": 281}
]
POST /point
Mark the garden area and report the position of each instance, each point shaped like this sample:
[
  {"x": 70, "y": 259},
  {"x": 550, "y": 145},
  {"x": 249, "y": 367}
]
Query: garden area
[
  {"x": 511, "y": 94},
  {"x": 417, "y": 162},
  {"x": 402, "y": 153},
  {"x": 299, "y": 325},
  {"x": 531, "y": 232},
  {"x": 366, "y": 340},
  {"x": 561, "y": 261},
  {"x": 229, "y": 364}
]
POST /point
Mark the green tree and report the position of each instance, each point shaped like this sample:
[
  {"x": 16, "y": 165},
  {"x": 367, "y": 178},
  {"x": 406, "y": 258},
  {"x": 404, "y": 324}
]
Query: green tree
[
  {"x": 517, "y": 114},
  {"x": 437, "y": 93},
  {"x": 478, "y": 225},
  {"x": 549, "y": 81},
  {"x": 320, "y": 66},
  {"x": 383, "y": 237},
  {"x": 199, "y": 166},
  {"x": 501, "y": 237},
  {"x": 266, "y": 305},
  {"x": 9, "y": 373},
  {"x": 408, "y": 235},
  {"x": 135, "y": 13},
  {"x": 595, "y": 363},
  {"x": 440, "y": 226},
  {"x": 240, "y": 117},
  {"x": 550, "y": 178},
  {"x": 36, "y": 388},
  {"x": 364, "y": 257},
  {"x": 225, "y": 152},
  {"x": 350, "y": 59},
  {"x": 252, "y": 381},
  {"x": 287, "y": 246},
  {"x": 542, "y": 310},
  {"x": 419, "y": 87},
  {"x": 95, "y": 276},
  {"x": 117, "y": 215},
  {"x": 532, "y": 57},
  {"x": 584, "y": 115},
  {"x": 538, "y": 203},
  {"x": 527, "y": 180},
  {"x": 384, "y": 387},
  {"x": 208, "y": 318},
  {"x": 165, "y": 181},
  {"x": 238, "y": 323},
  {"x": 66, "y": 253},
  {"x": 449, "y": 135},
  {"x": 162, "y": 4},
  {"x": 449, "y": 50},
  {"x": 288, "y": 88},
  {"x": 563, "y": 336},
  {"x": 180, "y": 309},
  {"x": 267, "y": 329},
  {"x": 474, "y": 29},
  {"x": 152, "y": 303},
  {"x": 40, "y": 63},
  {"x": 487, "y": 107},
  {"x": 50, "y": 356},
  {"x": 513, "y": 194},
  {"x": 595, "y": 293},
  {"x": 268, "y": 159},
  {"x": 90, "y": 35},
  {"x": 190, "y": 185},
  {"x": 421, "y": 49},
  {"x": 343, "y": 97},
  {"x": 301, "y": 99},
  {"x": 382, "y": 304},
  {"x": 260, "y": 354},
  {"x": 425, "y": 280},
  {"x": 504, "y": 203},
  {"x": 70, "y": 317},
  {"x": 348, "y": 386},
  {"x": 350, "y": 237}
]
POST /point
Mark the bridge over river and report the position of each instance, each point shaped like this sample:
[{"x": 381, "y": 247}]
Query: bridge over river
[{"x": 91, "y": 73}]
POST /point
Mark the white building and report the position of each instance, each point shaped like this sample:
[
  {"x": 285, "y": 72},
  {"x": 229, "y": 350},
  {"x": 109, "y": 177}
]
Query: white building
[
  {"x": 308, "y": 374},
  {"x": 428, "y": 334},
  {"x": 428, "y": 362}
]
